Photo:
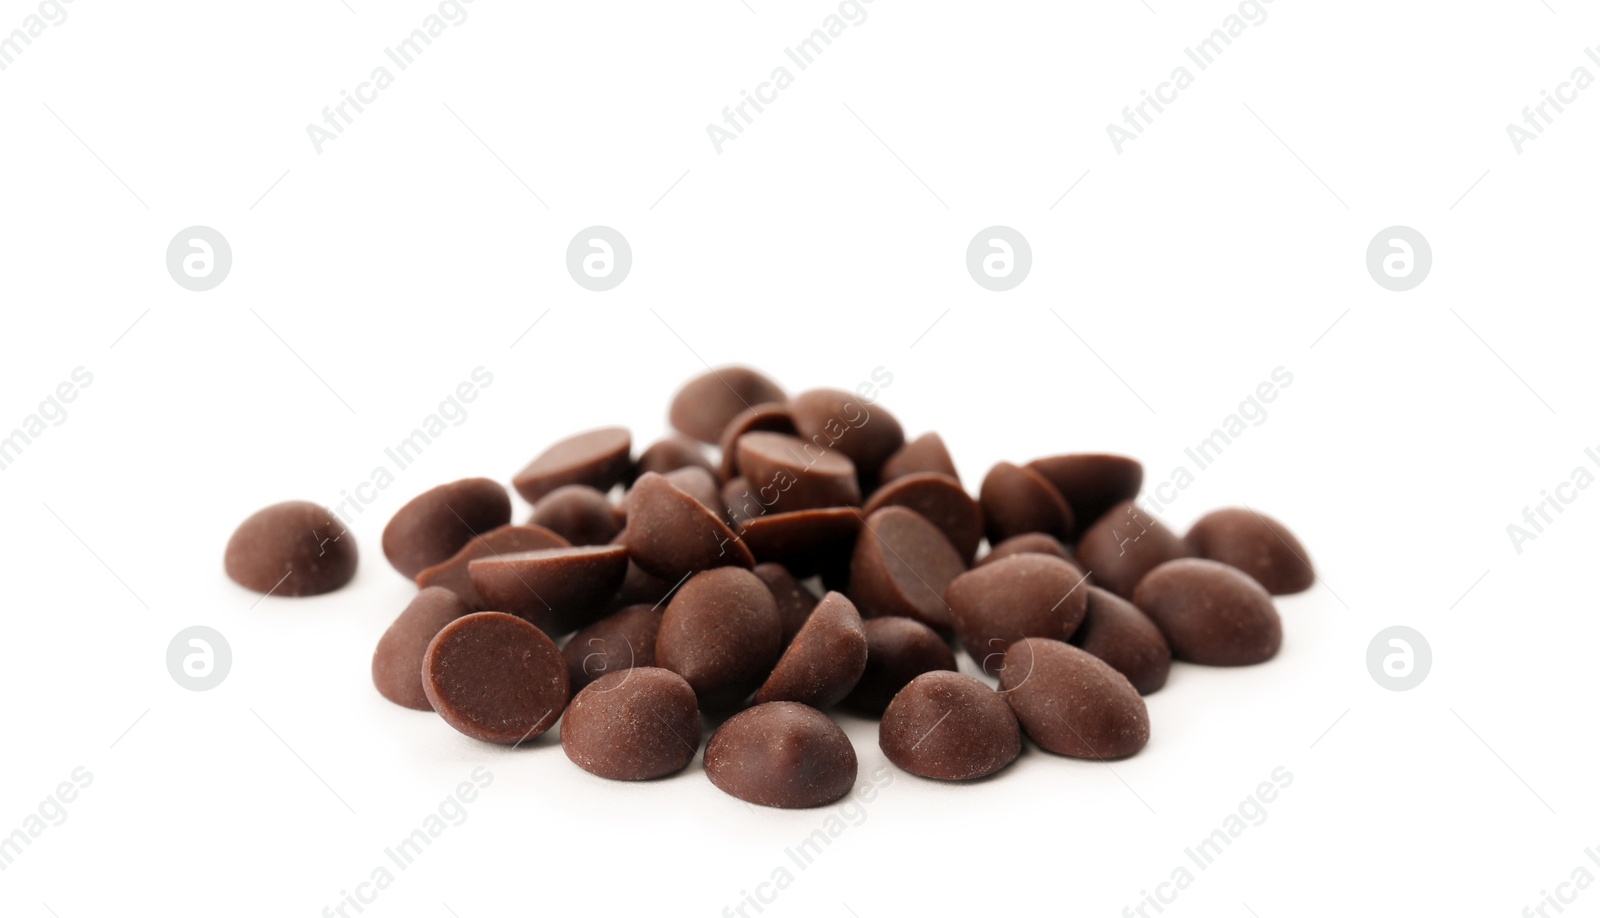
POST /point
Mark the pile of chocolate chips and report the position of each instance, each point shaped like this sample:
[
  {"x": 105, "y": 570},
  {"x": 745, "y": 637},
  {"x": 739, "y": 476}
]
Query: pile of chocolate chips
[{"x": 696, "y": 593}]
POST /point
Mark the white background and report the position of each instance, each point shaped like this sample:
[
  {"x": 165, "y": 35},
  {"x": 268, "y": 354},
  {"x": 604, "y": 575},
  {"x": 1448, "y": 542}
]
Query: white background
[{"x": 1180, "y": 273}]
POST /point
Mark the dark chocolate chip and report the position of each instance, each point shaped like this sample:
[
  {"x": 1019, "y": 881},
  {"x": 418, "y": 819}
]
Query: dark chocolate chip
[
  {"x": 1025, "y": 596},
  {"x": 1028, "y": 542},
  {"x": 926, "y": 453},
  {"x": 435, "y": 524},
  {"x": 1256, "y": 544},
  {"x": 557, "y": 589},
  {"x": 295, "y": 548},
  {"x": 898, "y": 650},
  {"x": 1117, "y": 632},
  {"x": 1018, "y": 500},
  {"x": 640, "y": 586},
  {"x": 1092, "y": 483},
  {"x": 397, "y": 663},
  {"x": 597, "y": 458},
  {"x": 672, "y": 453},
  {"x": 950, "y": 727},
  {"x": 1072, "y": 703},
  {"x": 796, "y": 474},
  {"x": 671, "y": 534},
  {"x": 622, "y": 640},
  {"x": 1124, "y": 545},
  {"x": 804, "y": 541},
  {"x": 835, "y": 419},
  {"x": 495, "y": 678},
  {"x": 826, "y": 659},
  {"x": 633, "y": 726},
  {"x": 578, "y": 513},
  {"x": 705, "y": 404},
  {"x": 795, "y": 601},
  {"x": 901, "y": 566},
  {"x": 1211, "y": 613},
  {"x": 781, "y": 754},
  {"x": 453, "y": 576},
  {"x": 941, "y": 501},
  {"x": 772, "y": 417},
  {"x": 722, "y": 633}
]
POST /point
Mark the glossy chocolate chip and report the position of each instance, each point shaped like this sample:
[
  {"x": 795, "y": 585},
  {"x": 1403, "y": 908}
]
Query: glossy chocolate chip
[
  {"x": 622, "y": 640},
  {"x": 826, "y": 659},
  {"x": 941, "y": 501},
  {"x": 1092, "y": 483},
  {"x": 781, "y": 754},
  {"x": 672, "y": 453},
  {"x": 578, "y": 513},
  {"x": 705, "y": 404},
  {"x": 1018, "y": 500},
  {"x": 835, "y": 419},
  {"x": 1117, "y": 632},
  {"x": 772, "y": 417},
  {"x": 1256, "y": 544},
  {"x": 901, "y": 566},
  {"x": 796, "y": 474},
  {"x": 898, "y": 650},
  {"x": 557, "y": 589},
  {"x": 1028, "y": 542},
  {"x": 671, "y": 534},
  {"x": 434, "y": 525},
  {"x": 926, "y": 453},
  {"x": 397, "y": 663},
  {"x": 1211, "y": 613},
  {"x": 597, "y": 458},
  {"x": 950, "y": 727},
  {"x": 495, "y": 678},
  {"x": 453, "y": 575},
  {"x": 633, "y": 726},
  {"x": 1124, "y": 545},
  {"x": 806, "y": 540},
  {"x": 1072, "y": 703},
  {"x": 295, "y": 548},
  {"x": 795, "y": 600},
  {"x": 721, "y": 632},
  {"x": 1026, "y": 596}
]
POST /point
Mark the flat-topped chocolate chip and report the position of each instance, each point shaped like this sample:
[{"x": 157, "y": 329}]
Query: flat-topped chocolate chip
[
  {"x": 1124, "y": 545},
  {"x": 836, "y": 419},
  {"x": 622, "y": 640},
  {"x": 771, "y": 417},
  {"x": 950, "y": 727},
  {"x": 1072, "y": 703},
  {"x": 671, "y": 453},
  {"x": 901, "y": 566},
  {"x": 781, "y": 754},
  {"x": 578, "y": 513},
  {"x": 795, "y": 600},
  {"x": 1029, "y": 595},
  {"x": 557, "y": 589},
  {"x": 926, "y": 453},
  {"x": 434, "y": 525},
  {"x": 671, "y": 534},
  {"x": 295, "y": 548},
  {"x": 1092, "y": 483},
  {"x": 453, "y": 575},
  {"x": 705, "y": 404},
  {"x": 633, "y": 726},
  {"x": 796, "y": 474},
  {"x": 1018, "y": 500},
  {"x": 721, "y": 632},
  {"x": 941, "y": 501},
  {"x": 597, "y": 458},
  {"x": 898, "y": 650},
  {"x": 1117, "y": 632},
  {"x": 1211, "y": 613},
  {"x": 1256, "y": 544},
  {"x": 1028, "y": 542},
  {"x": 826, "y": 659},
  {"x": 397, "y": 663},
  {"x": 806, "y": 540},
  {"x": 495, "y": 678}
]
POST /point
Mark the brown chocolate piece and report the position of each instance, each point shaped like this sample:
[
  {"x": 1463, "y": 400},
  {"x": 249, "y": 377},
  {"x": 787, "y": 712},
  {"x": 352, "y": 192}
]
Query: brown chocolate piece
[
  {"x": 597, "y": 458},
  {"x": 1034, "y": 542},
  {"x": 1018, "y": 500},
  {"x": 722, "y": 633},
  {"x": 578, "y": 513},
  {"x": 453, "y": 576},
  {"x": 670, "y": 454},
  {"x": 633, "y": 726},
  {"x": 397, "y": 663},
  {"x": 622, "y": 640},
  {"x": 705, "y": 404},
  {"x": 1211, "y": 613},
  {"x": 1072, "y": 703},
  {"x": 806, "y": 540},
  {"x": 671, "y": 534},
  {"x": 826, "y": 659},
  {"x": 795, "y": 474},
  {"x": 700, "y": 485},
  {"x": 781, "y": 754},
  {"x": 941, "y": 501},
  {"x": 495, "y": 678},
  {"x": 1014, "y": 598},
  {"x": 295, "y": 548},
  {"x": 926, "y": 453},
  {"x": 1117, "y": 632},
  {"x": 1092, "y": 483},
  {"x": 557, "y": 589},
  {"x": 1256, "y": 544},
  {"x": 434, "y": 525},
  {"x": 1124, "y": 545},
  {"x": 950, "y": 727},
  {"x": 795, "y": 601},
  {"x": 739, "y": 502},
  {"x": 835, "y": 419},
  {"x": 640, "y": 586},
  {"x": 898, "y": 650},
  {"x": 772, "y": 417},
  {"x": 901, "y": 566}
]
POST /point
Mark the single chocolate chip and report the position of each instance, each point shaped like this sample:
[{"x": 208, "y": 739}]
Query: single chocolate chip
[
  {"x": 705, "y": 404},
  {"x": 1025, "y": 596},
  {"x": 796, "y": 474},
  {"x": 1117, "y": 632},
  {"x": 805, "y": 541},
  {"x": 495, "y": 678},
  {"x": 1124, "y": 545},
  {"x": 1018, "y": 500},
  {"x": 397, "y": 663},
  {"x": 950, "y": 727},
  {"x": 633, "y": 726},
  {"x": 700, "y": 485},
  {"x": 453, "y": 575},
  {"x": 1256, "y": 544},
  {"x": 597, "y": 458},
  {"x": 622, "y": 640},
  {"x": 722, "y": 633},
  {"x": 1092, "y": 483},
  {"x": 772, "y": 417},
  {"x": 557, "y": 589},
  {"x": 795, "y": 601},
  {"x": 436, "y": 523},
  {"x": 834, "y": 419},
  {"x": 672, "y": 453},
  {"x": 739, "y": 502},
  {"x": 898, "y": 650},
  {"x": 1072, "y": 703},
  {"x": 1211, "y": 613},
  {"x": 578, "y": 513},
  {"x": 901, "y": 566},
  {"x": 295, "y": 548},
  {"x": 781, "y": 754},
  {"x": 926, "y": 453},
  {"x": 1028, "y": 542},
  {"x": 671, "y": 534},
  {"x": 941, "y": 501},
  {"x": 826, "y": 659},
  {"x": 639, "y": 586}
]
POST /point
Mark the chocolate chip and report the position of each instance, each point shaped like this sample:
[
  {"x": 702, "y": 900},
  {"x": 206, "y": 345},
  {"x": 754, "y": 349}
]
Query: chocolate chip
[
  {"x": 622, "y": 640},
  {"x": 835, "y": 419},
  {"x": 1092, "y": 483},
  {"x": 700, "y": 485},
  {"x": 804, "y": 541},
  {"x": 898, "y": 650},
  {"x": 1029, "y": 595},
  {"x": 671, "y": 534},
  {"x": 436, "y": 523},
  {"x": 295, "y": 548},
  {"x": 597, "y": 458},
  {"x": 640, "y": 586},
  {"x": 722, "y": 633},
  {"x": 1072, "y": 703},
  {"x": 950, "y": 727},
  {"x": 397, "y": 663},
  {"x": 1018, "y": 500},
  {"x": 578, "y": 513},
  {"x": 926, "y": 453},
  {"x": 795, "y": 601},
  {"x": 1124, "y": 545},
  {"x": 941, "y": 501},
  {"x": 1211, "y": 613},
  {"x": 772, "y": 417},
  {"x": 781, "y": 754},
  {"x": 633, "y": 726},
  {"x": 557, "y": 589},
  {"x": 672, "y": 453},
  {"x": 1256, "y": 544},
  {"x": 495, "y": 678},
  {"x": 1035, "y": 542},
  {"x": 739, "y": 502},
  {"x": 705, "y": 404},
  {"x": 453, "y": 575},
  {"x": 826, "y": 659},
  {"x": 796, "y": 474},
  {"x": 1117, "y": 632},
  {"x": 901, "y": 566}
]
